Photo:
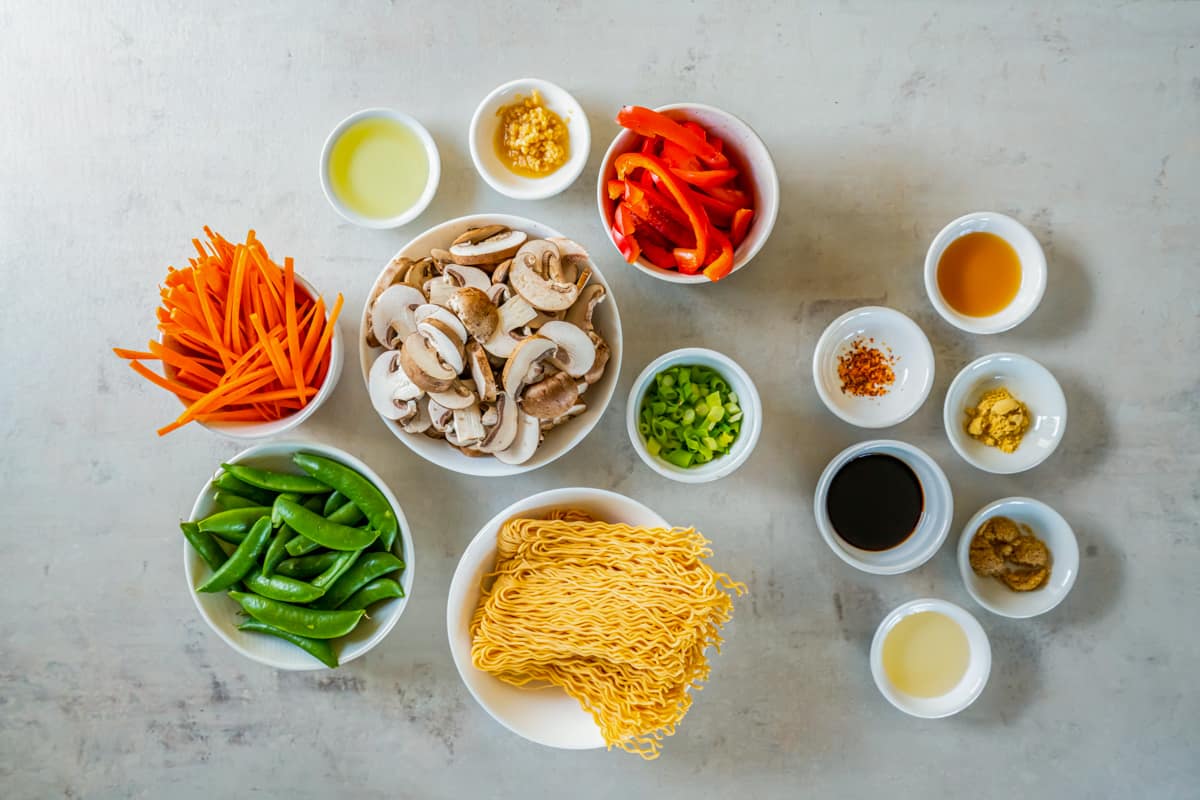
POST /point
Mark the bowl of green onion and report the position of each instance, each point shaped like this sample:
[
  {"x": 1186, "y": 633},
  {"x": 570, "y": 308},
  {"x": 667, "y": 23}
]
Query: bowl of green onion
[{"x": 694, "y": 415}]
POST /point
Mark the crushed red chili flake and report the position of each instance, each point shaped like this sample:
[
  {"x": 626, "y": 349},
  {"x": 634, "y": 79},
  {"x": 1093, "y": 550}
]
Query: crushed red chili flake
[{"x": 865, "y": 371}]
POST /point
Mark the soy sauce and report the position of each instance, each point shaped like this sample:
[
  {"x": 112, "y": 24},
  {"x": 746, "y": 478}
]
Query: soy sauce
[{"x": 875, "y": 502}]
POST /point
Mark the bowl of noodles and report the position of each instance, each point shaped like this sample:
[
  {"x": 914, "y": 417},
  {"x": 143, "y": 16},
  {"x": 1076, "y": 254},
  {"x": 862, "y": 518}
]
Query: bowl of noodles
[{"x": 579, "y": 618}]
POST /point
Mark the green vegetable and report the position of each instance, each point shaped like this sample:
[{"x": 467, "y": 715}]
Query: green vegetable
[
  {"x": 276, "y": 481},
  {"x": 367, "y": 569},
  {"x": 204, "y": 544},
  {"x": 373, "y": 592},
  {"x": 308, "y": 566},
  {"x": 234, "y": 521},
  {"x": 361, "y": 491},
  {"x": 298, "y": 620},
  {"x": 242, "y": 560},
  {"x": 228, "y": 483},
  {"x": 319, "y": 649},
  {"x": 347, "y": 514},
  {"x": 312, "y": 525},
  {"x": 689, "y": 416},
  {"x": 277, "y": 587}
]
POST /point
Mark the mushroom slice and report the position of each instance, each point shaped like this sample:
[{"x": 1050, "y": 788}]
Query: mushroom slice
[
  {"x": 573, "y": 411},
  {"x": 468, "y": 425},
  {"x": 458, "y": 396},
  {"x": 477, "y": 235},
  {"x": 542, "y": 318},
  {"x": 420, "y": 272},
  {"x": 576, "y": 354},
  {"x": 551, "y": 397},
  {"x": 471, "y": 451},
  {"x": 390, "y": 388},
  {"x": 499, "y": 293},
  {"x": 419, "y": 422},
  {"x": 581, "y": 312},
  {"x": 503, "y": 431},
  {"x": 421, "y": 363},
  {"x": 441, "y": 419},
  {"x": 391, "y": 315},
  {"x": 481, "y": 372},
  {"x": 536, "y": 274},
  {"x": 444, "y": 340},
  {"x": 431, "y": 311},
  {"x": 602, "y": 353},
  {"x": 502, "y": 343},
  {"x": 492, "y": 250},
  {"x": 575, "y": 258},
  {"x": 393, "y": 273},
  {"x": 500, "y": 274},
  {"x": 528, "y": 436},
  {"x": 516, "y": 312},
  {"x": 467, "y": 276},
  {"x": 438, "y": 290},
  {"x": 521, "y": 363},
  {"x": 475, "y": 310}
]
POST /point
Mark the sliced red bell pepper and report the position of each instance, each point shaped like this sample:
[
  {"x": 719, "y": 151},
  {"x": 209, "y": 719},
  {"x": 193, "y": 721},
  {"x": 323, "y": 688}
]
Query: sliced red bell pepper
[
  {"x": 651, "y": 217},
  {"x": 706, "y": 178},
  {"x": 686, "y": 261},
  {"x": 734, "y": 197},
  {"x": 677, "y": 157},
  {"x": 685, "y": 197},
  {"x": 723, "y": 264},
  {"x": 615, "y": 189},
  {"x": 645, "y": 185},
  {"x": 648, "y": 236},
  {"x": 656, "y": 255},
  {"x": 653, "y": 123},
  {"x": 720, "y": 213},
  {"x": 740, "y": 225},
  {"x": 650, "y": 145},
  {"x": 623, "y": 220},
  {"x": 717, "y": 143},
  {"x": 628, "y": 245}
]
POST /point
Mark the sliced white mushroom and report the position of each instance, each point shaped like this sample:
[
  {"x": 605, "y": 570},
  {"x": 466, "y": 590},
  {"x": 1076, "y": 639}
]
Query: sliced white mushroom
[
  {"x": 501, "y": 344},
  {"x": 521, "y": 363},
  {"x": 441, "y": 419},
  {"x": 536, "y": 274},
  {"x": 439, "y": 290},
  {"x": 468, "y": 425},
  {"x": 419, "y": 422},
  {"x": 467, "y": 276},
  {"x": 500, "y": 274},
  {"x": 475, "y": 310},
  {"x": 492, "y": 250},
  {"x": 602, "y": 353},
  {"x": 421, "y": 363},
  {"x": 499, "y": 293},
  {"x": 481, "y": 372},
  {"x": 420, "y": 272},
  {"x": 580, "y": 313},
  {"x": 501, "y": 433},
  {"x": 489, "y": 413},
  {"x": 576, "y": 353},
  {"x": 431, "y": 311},
  {"x": 392, "y": 314},
  {"x": 458, "y": 396},
  {"x": 390, "y": 388},
  {"x": 525, "y": 442},
  {"x": 516, "y": 312},
  {"x": 448, "y": 346},
  {"x": 575, "y": 258},
  {"x": 573, "y": 411},
  {"x": 550, "y": 397}
]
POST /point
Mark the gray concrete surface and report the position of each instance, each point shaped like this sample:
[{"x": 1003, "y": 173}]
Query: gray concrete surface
[{"x": 127, "y": 126}]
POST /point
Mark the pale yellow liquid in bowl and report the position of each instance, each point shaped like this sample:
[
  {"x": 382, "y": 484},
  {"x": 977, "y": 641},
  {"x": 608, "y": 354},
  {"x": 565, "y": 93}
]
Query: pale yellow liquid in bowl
[
  {"x": 926, "y": 654},
  {"x": 378, "y": 168}
]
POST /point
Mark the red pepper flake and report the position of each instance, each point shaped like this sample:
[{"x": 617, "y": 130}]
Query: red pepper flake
[{"x": 865, "y": 371}]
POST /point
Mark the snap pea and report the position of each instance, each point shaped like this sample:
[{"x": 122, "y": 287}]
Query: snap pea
[
  {"x": 307, "y": 566},
  {"x": 333, "y": 535},
  {"x": 243, "y": 559},
  {"x": 317, "y": 648},
  {"x": 277, "y": 550},
  {"x": 338, "y": 568},
  {"x": 348, "y": 514},
  {"x": 367, "y": 569},
  {"x": 278, "y": 587},
  {"x": 229, "y": 500},
  {"x": 204, "y": 544},
  {"x": 373, "y": 592},
  {"x": 234, "y": 520},
  {"x": 360, "y": 490},
  {"x": 309, "y": 622},
  {"x": 231, "y": 484},
  {"x": 333, "y": 503},
  {"x": 276, "y": 481},
  {"x": 276, "y": 519}
]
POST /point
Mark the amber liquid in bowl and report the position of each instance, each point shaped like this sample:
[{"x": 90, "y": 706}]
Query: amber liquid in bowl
[{"x": 979, "y": 274}]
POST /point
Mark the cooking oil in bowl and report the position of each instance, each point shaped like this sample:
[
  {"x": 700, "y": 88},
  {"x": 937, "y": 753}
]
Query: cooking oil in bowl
[
  {"x": 979, "y": 274},
  {"x": 926, "y": 654},
  {"x": 378, "y": 168}
]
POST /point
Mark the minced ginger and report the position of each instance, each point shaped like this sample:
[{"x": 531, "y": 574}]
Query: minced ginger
[
  {"x": 1001, "y": 549},
  {"x": 531, "y": 139},
  {"x": 998, "y": 420}
]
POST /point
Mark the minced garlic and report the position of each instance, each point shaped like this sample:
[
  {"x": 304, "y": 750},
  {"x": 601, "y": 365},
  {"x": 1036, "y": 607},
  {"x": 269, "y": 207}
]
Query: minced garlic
[{"x": 531, "y": 139}]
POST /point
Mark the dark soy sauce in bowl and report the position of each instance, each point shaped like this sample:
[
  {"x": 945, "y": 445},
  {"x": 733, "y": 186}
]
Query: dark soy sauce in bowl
[{"x": 875, "y": 502}]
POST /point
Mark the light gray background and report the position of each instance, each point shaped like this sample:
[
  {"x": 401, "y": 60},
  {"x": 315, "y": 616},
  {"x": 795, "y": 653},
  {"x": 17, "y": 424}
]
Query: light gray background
[{"x": 125, "y": 127}]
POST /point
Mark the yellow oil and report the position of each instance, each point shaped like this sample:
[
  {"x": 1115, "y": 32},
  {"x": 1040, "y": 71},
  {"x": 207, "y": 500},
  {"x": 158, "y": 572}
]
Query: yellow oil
[
  {"x": 926, "y": 654},
  {"x": 378, "y": 168}
]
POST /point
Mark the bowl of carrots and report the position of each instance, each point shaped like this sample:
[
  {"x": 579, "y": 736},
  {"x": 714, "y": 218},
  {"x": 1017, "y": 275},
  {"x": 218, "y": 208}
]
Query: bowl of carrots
[
  {"x": 248, "y": 346},
  {"x": 688, "y": 193}
]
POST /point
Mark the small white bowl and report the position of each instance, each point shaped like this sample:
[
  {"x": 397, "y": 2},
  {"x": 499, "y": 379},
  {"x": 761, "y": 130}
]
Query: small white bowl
[
  {"x": 745, "y": 150},
  {"x": 431, "y": 183},
  {"x": 748, "y": 399},
  {"x": 932, "y": 527},
  {"x": 1033, "y": 271},
  {"x": 265, "y": 430},
  {"x": 979, "y": 665},
  {"x": 1049, "y": 526},
  {"x": 482, "y": 140},
  {"x": 1029, "y": 382},
  {"x": 558, "y": 441},
  {"x": 223, "y": 614},
  {"x": 547, "y": 716},
  {"x": 913, "y": 367}
]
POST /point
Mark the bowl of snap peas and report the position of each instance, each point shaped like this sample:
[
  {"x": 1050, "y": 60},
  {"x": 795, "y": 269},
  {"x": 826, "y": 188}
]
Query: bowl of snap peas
[{"x": 298, "y": 555}]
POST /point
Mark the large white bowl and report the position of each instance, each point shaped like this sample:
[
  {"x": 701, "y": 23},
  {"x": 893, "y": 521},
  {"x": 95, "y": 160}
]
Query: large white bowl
[
  {"x": 1029, "y": 382},
  {"x": 548, "y": 715},
  {"x": 223, "y": 615},
  {"x": 1049, "y": 526},
  {"x": 745, "y": 150},
  {"x": 560, "y": 440}
]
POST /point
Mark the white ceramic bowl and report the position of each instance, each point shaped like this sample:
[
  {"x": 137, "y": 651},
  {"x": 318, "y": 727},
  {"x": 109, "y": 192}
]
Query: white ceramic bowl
[
  {"x": 482, "y": 138},
  {"x": 932, "y": 526},
  {"x": 1033, "y": 271},
  {"x": 223, "y": 615},
  {"x": 979, "y": 665},
  {"x": 739, "y": 381},
  {"x": 1029, "y": 382},
  {"x": 913, "y": 367},
  {"x": 265, "y": 430},
  {"x": 558, "y": 441},
  {"x": 431, "y": 183},
  {"x": 1049, "y": 526},
  {"x": 745, "y": 150},
  {"x": 544, "y": 715}
]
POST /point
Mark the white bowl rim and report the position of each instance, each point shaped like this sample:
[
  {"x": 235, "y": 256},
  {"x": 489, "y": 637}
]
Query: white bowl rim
[
  {"x": 992, "y": 509},
  {"x": 405, "y": 540},
  {"x": 740, "y": 259},
  {"x": 956, "y": 390},
  {"x": 553, "y": 183},
  {"x": 926, "y": 354},
  {"x": 1036, "y": 269},
  {"x": 431, "y": 182},
  {"x": 718, "y": 468},
  {"x": 978, "y": 643}
]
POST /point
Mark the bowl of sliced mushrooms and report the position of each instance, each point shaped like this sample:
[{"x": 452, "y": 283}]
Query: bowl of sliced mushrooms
[{"x": 490, "y": 344}]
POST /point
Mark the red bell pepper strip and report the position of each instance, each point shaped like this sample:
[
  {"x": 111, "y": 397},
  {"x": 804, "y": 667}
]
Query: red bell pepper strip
[
  {"x": 628, "y": 245},
  {"x": 677, "y": 157},
  {"x": 615, "y": 189},
  {"x": 734, "y": 197},
  {"x": 706, "y": 179},
  {"x": 645, "y": 186},
  {"x": 720, "y": 213},
  {"x": 652, "y": 123},
  {"x": 686, "y": 261},
  {"x": 723, "y": 264},
  {"x": 623, "y": 220},
  {"x": 650, "y": 145},
  {"x": 685, "y": 197},
  {"x": 651, "y": 217},
  {"x": 741, "y": 225},
  {"x": 656, "y": 255}
]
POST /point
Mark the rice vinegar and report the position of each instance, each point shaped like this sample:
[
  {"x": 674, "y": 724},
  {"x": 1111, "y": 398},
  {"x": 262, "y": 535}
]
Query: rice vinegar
[{"x": 926, "y": 654}]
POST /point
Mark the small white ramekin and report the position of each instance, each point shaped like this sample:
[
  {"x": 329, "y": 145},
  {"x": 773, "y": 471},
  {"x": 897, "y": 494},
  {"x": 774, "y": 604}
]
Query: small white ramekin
[
  {"x": 748, "y": 399},
  {"x": 979, "y": 665},
  {"x": 431, "y": 183}
]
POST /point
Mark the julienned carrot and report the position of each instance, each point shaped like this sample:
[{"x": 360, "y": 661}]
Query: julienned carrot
[{"x": 240, "y": 341}]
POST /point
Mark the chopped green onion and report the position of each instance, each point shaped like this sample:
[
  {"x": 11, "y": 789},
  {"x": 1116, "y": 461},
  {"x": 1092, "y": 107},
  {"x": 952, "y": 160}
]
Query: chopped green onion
[{"x": 689, "y": 416}]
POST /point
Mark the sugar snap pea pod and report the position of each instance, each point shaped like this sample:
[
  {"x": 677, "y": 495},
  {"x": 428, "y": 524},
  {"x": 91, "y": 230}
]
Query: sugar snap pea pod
[
  {"x": 333, "y": 535},
  {"x": 279, "y": 587},
  {"x": 276, "y": 518},
  {"x": 333, "y": 503},
  {"x": 228, "y": 483},
  {"x": 243, "y": 559},
  {"x": 360, "y": 490},
  {"x": 319, "y": 649},
  {"x": 309, "y": 622},
  {"x": 229, "y": 500},
  {"x": 301, "y": 546},
  {"x": 308, "y": 566},
  {"x": 337, "y": 569},
  {"x": 204, "y": 544},
  {"x": 373, "y": 592},
  {"x": 365, "y": 570},
  {"x": 276, "y": 481},
  {"x": 277, "y": 550},
  {"x": 234, "y": 520},
  {"x": 348, "y": 514}
]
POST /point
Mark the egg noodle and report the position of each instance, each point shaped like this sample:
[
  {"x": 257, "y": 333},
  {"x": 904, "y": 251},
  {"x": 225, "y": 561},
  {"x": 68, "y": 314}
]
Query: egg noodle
[{"x": 616, "y": 615}]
